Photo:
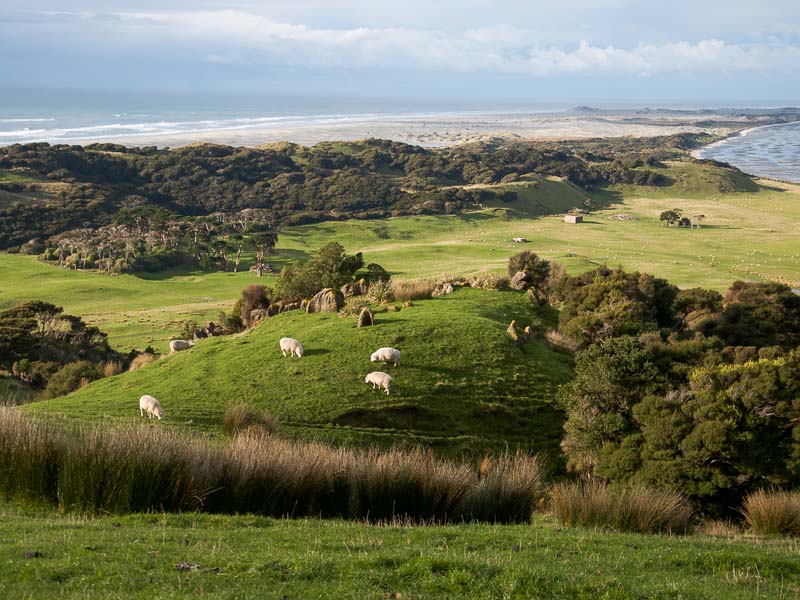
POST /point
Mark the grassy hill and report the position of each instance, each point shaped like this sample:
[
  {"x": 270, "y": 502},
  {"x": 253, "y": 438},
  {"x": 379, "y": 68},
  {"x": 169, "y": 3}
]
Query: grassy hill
[{"x": 462, "y": 384}]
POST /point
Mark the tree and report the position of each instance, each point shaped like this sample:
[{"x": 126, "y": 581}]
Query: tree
[
  {"x": 671, "y": 217},
  {"x": 697, "y": 301},
  {"x": 263, "y": 242},
  {"x": 536, "y": 269},
  {"x": 610, "y": 377}
]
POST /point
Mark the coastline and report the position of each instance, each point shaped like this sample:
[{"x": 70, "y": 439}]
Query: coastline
[
  {"x": 773, "y": 156},
  {"x": 430, "y": 130}
]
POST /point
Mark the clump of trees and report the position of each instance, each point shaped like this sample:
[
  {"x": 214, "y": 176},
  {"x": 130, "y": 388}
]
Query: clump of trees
[
  {"x": 148, "y": 207},
  {"x": 687, "y": 390},
  {"x": 46, "y": 348}
]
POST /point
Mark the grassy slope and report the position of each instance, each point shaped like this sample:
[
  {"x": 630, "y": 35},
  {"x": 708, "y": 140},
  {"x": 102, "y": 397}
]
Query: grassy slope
[
  {"x": 248, "y": 557},
  {"x": 462, "y": 384},
  {"x": 747, "y": 235}
]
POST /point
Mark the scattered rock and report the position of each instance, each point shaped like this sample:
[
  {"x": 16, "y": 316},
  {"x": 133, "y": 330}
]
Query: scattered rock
[
  {"x": 257, "y": 315},
  {"x": 210, "y": 329},
  {"x": 520, "y": 281},
  {"x": 365, "y": 319},
  {"x": 408, "y": 304},
  {"x": 512, "y": 331},
  {"x": 185, "y": 566},
  {"x": 327, "y": 300},
  {"x": 443, "y": 289},
  {"x": 355, "y": 288}
]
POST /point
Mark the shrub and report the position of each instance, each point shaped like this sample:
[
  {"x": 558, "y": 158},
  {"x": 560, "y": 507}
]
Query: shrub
[
  {"x": 380, "y": 292},
  {"x": 773, "y": 512},
  {"x": 111, "y": 368},
  {"x": 253, "y": 297},
  {"x": 72, "y": 377},
  {"x": 145, "y": 358},
  {"x": 412, "y": 289},
  {"x": 639, "y": 509},
  {"x": 243, "y": 417},
  {"x": 490, "y": 281}
]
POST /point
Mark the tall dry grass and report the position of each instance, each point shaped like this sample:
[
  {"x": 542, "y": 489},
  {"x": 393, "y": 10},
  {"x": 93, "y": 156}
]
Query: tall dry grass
[
  {"x": 412, "y": 289},
  {"x": 637, "y": 508},
  {"x": 146, "y": 468},
  {"x": 240, "y": 418},
  {"x": 772, "y": 512}
]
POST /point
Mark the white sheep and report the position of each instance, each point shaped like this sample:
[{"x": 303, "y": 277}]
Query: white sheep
[
  {"x": 151, "y": 406},
  {"x": 292, "y": 346},
  {"x": 387, "y": 355},
  {"x": 379, "y": 380},
  {"x": 177, "y": 345}
]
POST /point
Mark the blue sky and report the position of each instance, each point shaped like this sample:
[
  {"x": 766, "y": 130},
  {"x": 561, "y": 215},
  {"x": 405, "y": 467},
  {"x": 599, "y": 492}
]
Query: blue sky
[{"x": 701, "y": 50}]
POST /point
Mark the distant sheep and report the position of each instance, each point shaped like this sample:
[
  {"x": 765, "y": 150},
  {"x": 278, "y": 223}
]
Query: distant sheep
[
  {"x": 151, "y": 406},
  {"x": 292, "y": 346},
  {"x": 379, "y": 380},
  {"x": 387, "y": 355},
  {"x": 178, "y": 345}
]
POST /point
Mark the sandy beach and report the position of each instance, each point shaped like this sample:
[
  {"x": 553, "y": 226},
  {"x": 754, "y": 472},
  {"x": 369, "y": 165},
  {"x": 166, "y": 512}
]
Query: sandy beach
[{"x": 433, "y": 130}]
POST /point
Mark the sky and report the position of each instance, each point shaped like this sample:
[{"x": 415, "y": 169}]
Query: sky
[{"x": 719, "y": 51}]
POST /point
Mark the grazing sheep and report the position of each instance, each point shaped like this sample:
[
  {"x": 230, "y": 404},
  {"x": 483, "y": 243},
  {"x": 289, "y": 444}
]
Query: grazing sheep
[
  {"x": 151, "y": 405},
  {"x": 292, "y": 346},
  {"x": 379, "y": 380},
  {"x": 387, "y": 355},
  {"x": 177, "y": 345}
]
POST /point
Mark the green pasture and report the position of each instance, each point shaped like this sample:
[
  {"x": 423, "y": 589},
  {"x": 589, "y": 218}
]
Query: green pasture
[
  {"x": 462, "y": 384},
  {"x": 195, "y": 555},
  {"x": 745, "y": 235}
]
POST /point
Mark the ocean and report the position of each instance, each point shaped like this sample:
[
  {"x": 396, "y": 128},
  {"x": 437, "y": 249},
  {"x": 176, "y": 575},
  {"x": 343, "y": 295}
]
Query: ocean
[
  {"x": 772, "y": 151},
  {"x": 77, "y": 117}
]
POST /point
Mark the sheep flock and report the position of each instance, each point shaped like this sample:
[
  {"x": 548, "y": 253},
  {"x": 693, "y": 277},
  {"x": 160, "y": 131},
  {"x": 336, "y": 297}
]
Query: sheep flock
[{"x": 292, "y": 348}]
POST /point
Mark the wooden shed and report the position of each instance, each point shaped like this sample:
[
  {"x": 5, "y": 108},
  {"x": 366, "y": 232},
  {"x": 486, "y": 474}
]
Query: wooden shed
[{"x": 573, "y": 218}]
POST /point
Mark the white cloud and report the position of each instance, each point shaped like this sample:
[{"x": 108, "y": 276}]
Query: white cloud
[{"x": 503, "y": 48}]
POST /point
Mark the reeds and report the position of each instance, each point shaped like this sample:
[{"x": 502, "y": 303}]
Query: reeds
[
  {"x": 146, "y": 468},
  {"x": 412, "y": 289},
  {"x": 637, "y": 508},
  {"x": 773, "y": 512}
]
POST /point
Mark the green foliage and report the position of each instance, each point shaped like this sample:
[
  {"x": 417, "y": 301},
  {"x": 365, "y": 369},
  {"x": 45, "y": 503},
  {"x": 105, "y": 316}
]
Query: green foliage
[
  {"x": 331, "y": 267},
  {"x": 610, "y": 377},
  {"x": 71, "y": 377},
  {"x": 606, "y": 303},
  {"x": 760, "y": 314}
]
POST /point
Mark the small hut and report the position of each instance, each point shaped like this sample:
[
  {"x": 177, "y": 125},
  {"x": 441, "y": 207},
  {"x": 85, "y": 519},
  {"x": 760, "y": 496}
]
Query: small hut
[
  {"x": 573, "y": 218},
  {"x": 519, "y": 240}
]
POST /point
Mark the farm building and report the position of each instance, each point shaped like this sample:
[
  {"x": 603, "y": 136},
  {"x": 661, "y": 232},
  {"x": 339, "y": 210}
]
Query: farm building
[
  {"x": 573, "y": 218},
  {"x": 519, "y": 240}
]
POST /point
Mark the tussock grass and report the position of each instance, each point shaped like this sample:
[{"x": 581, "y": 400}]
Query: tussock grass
[
  {"x": 771, "y": 512},
  {"x": 510, "y": 488},
  {"x": 639, "y": 509},
  {"x": 243, "y": 417},
  {"x": 412, "y": 289},
  {"x": 146, "y": 468}
]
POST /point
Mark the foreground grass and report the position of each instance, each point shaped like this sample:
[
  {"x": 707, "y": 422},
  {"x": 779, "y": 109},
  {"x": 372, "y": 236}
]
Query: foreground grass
[{"x": 247, "y": 557}]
